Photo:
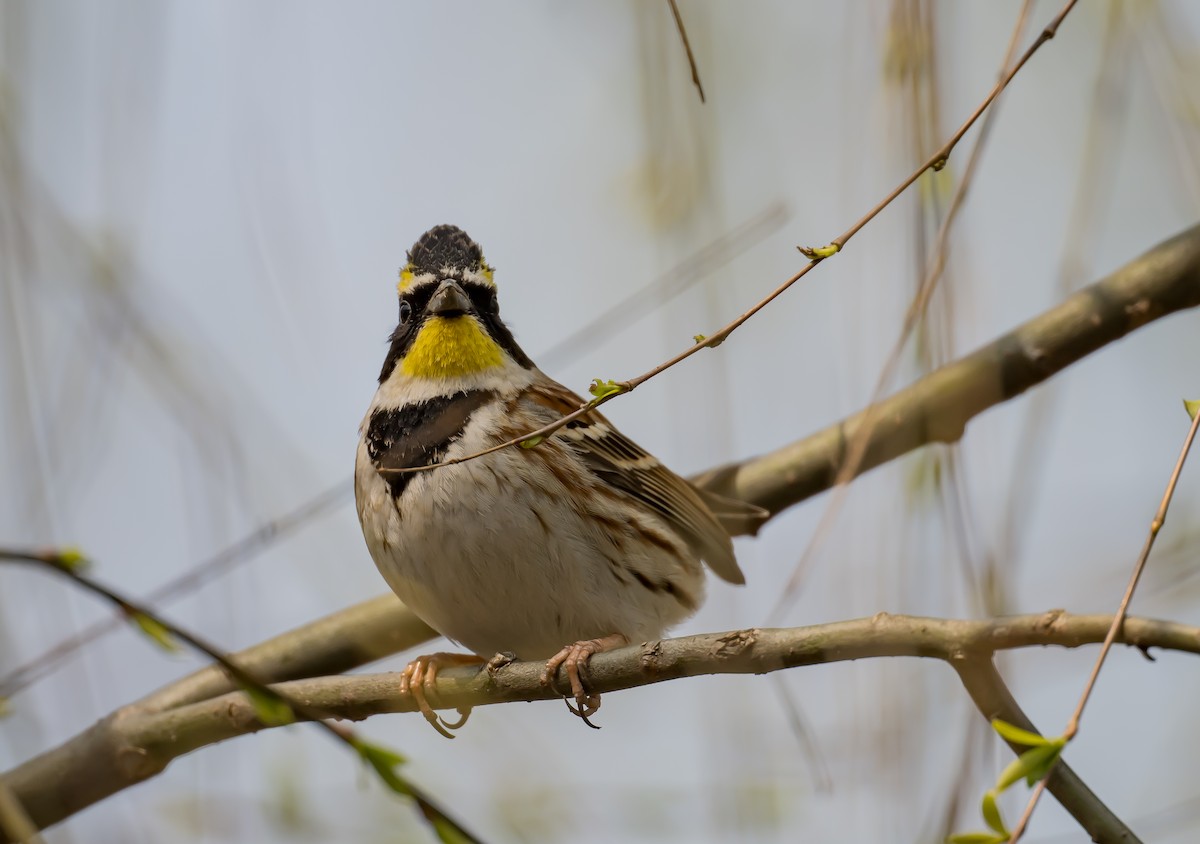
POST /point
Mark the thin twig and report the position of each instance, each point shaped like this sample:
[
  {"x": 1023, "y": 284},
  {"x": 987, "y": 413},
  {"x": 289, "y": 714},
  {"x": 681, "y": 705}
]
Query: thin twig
[
  {"x": 1107, "y": 111},
  {"x": 933, "y": 349},
  {"x": 256, "y": 541},
  {"x": 52, "y": 561},
  {"x": 916, "y": 308},
  {"x": 688, "y": 47},
  {"x": 692, "y": 269},
  {"x": 936, "y": 162},
  {"x": 1156, "y": 524}
]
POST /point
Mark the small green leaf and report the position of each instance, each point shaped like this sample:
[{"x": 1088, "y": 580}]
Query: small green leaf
[
  {"x": 602, "y": 389},
  {"x": 1192, "y": 406},
  {"x": 1042, "y": 765},
  {"x": 269, "y": 708},
  {"x": 385, "y": 762},
  {"x": 532, "y": 442},
  {"x": 154, "y": 628},
  {"x": 991, "y": 813},
  {"x": 1030, "y": 766},
  {"x": 1018, "y": 736},
  {"x": 448, "y": 832},
  {"x": 814, "y": 253},
  {"x": 71, "y": 559},
  {"x": 699, "y": 338},
  {"x": 977, "y": 838}
]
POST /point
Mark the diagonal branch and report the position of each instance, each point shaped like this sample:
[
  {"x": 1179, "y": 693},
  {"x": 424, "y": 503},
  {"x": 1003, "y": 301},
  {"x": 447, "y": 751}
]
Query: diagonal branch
[
  {"x": 937, "y": 408},
  {"x": 993, "y": 700}
]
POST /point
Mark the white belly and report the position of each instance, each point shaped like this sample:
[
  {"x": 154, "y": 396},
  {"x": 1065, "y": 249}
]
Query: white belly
[{"x": 500, "y": 566}]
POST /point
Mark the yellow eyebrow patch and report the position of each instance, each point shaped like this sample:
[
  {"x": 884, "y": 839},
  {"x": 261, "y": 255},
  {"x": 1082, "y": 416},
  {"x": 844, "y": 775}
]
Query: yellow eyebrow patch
[
  {"x": 406, "y": 278},
  {"x": 451, "y": 347}
]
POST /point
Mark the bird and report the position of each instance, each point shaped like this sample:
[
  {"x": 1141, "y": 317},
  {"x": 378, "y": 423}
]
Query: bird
[{"x": 580, "y": 544}]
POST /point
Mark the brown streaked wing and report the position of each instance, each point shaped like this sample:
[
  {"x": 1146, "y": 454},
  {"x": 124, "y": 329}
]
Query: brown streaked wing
[{"x": 626, "y": 466}]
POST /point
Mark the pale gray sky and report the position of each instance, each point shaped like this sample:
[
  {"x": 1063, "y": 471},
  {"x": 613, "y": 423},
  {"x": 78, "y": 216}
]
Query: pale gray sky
[{"x": 205, "y": 206}]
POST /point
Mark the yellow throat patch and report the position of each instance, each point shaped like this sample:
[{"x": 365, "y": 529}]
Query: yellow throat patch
[{"x": 451, "y": 347}]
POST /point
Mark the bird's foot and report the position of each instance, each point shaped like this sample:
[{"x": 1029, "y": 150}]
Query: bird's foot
[
  {"x": 574, "y": 658},
  {"x": 500, "y": 660},
  {"x": 419, "y": 679}
]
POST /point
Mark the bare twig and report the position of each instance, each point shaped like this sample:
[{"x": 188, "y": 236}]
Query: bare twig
[
  {"x": 1156, "y": 524},
  {"x": 1107, "y": 109},
  {"x": 916, "y": 308},
  {"x": 262, "y": 537},
  {"x": 935, "y": 162},
  {"x": 687, "y": 46},
  {"x": 296, "y": 707},
  {"x": 928, "y": 330},
  {"x": 680, "y": 277}
]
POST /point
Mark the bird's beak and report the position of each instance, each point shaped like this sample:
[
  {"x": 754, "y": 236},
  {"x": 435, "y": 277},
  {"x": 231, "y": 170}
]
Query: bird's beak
[{"x": 449, "y": 300}]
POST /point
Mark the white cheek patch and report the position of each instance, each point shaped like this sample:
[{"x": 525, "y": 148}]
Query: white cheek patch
[
  {"x": 477, "y": 276},
  {"x": 410, "y": 280}
]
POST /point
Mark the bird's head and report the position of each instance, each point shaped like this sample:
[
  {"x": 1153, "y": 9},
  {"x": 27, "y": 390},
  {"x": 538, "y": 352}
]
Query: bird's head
[{"x": 450, "y": 323}]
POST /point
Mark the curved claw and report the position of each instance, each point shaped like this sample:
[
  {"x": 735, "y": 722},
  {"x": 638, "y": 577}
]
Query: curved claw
[
  {"x": 419, "y": 679},
  {"x": 585, "y": 714},
  {"x": 574, "y": 658},
  {"x": 464, "y": 712}
]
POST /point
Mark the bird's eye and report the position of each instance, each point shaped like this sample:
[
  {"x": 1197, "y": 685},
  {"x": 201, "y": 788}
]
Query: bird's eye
[{"x": 405, "y": 311}]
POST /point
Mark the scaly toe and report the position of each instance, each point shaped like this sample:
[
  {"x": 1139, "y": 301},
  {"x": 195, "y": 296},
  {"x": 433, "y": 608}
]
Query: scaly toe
[
  {"x": 419, "y": 679},
  {"x": 503, "y": 660},
  {"x": 574, "y": 658}
]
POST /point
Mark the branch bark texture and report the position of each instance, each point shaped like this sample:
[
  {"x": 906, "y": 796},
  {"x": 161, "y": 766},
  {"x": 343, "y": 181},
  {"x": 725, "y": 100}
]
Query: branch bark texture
[{"x": 137, "y": 742}]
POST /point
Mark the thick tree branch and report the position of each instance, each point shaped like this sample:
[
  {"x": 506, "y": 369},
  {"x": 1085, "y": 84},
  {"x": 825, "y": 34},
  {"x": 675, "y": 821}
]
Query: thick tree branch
[
  {"x": 135, "y": 743},
  {"x": 15, "y": 824},
  {"x": 938, "y": 407}
]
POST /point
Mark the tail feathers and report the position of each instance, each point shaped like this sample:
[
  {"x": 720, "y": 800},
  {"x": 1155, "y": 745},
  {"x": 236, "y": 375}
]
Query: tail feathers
[{"x": 739, "y": 518}]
